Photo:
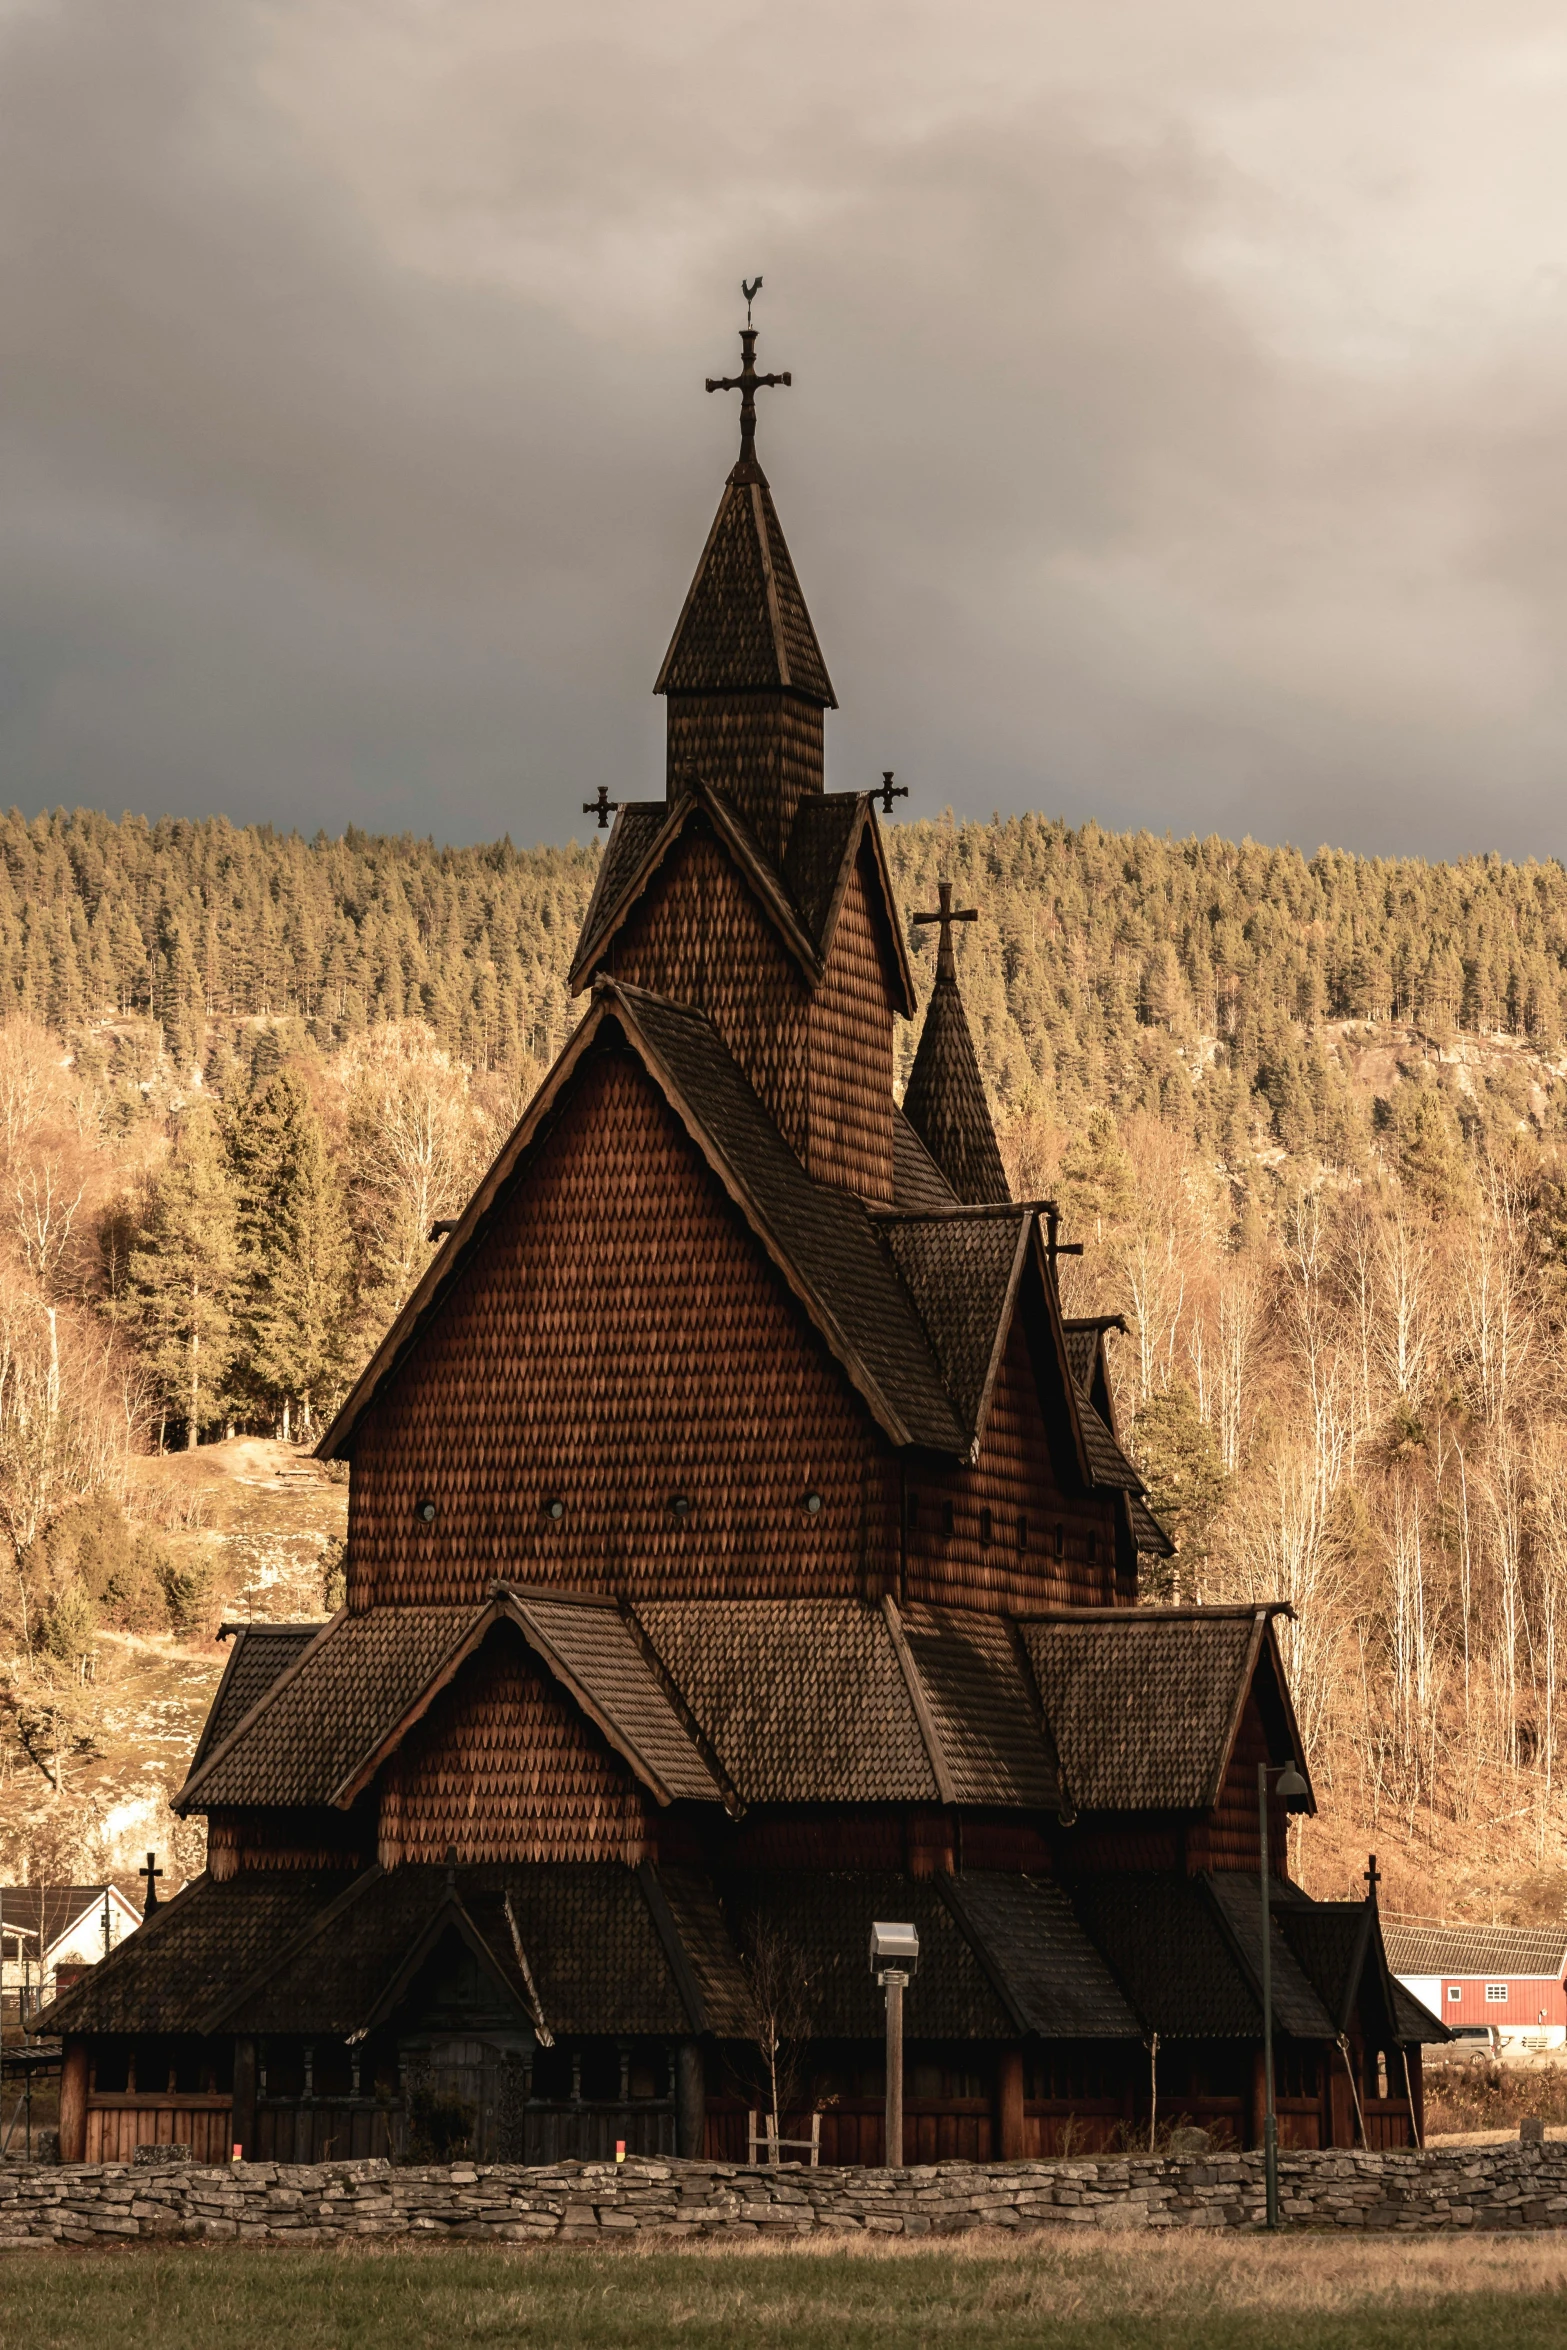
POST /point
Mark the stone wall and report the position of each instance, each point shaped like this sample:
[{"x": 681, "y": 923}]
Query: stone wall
[{"x": 1514, "y": 2186}]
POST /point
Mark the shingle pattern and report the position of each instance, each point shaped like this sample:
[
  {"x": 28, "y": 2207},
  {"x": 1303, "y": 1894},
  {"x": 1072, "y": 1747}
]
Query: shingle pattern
[
  {"x": 959, "y": 1270},
  {"x": 1052, "y": 1974},
  {"x": 822, "y": 842},
  {"x": 196, "y": 1949},
  {"x": 802, "y": 1700},
  {"x": 1163, "y": 1941},
  {"x": 597, "y": 1647},
  {"x": 734, "y": 635},
  {"x": 918, "y": 1182},
  {"x": 592, "y": 1947},
  {"x": 1140, "y": 1706},
  {"x": 330, "y": 1979},
  {"x": 823, "y": 1235},
  {"x": 349, "y": 1691},
  {"x": 1420, "y": 1949},
  {"x": 632, "y": 837},
  {"x": 261, "y": 1653},
  {"x": 945, "y": 1103},
  {"x": 1107, "y": 1463},
  {"x": 981, "y": 1708},
  {"x": 1082, "y": 1353},
  {"x": 720, "y": 1978},
  {"x": 825, "y": 1915},
  {"x": 1147, "y": 1532},
  {"x": 1297, "y": 2000}
]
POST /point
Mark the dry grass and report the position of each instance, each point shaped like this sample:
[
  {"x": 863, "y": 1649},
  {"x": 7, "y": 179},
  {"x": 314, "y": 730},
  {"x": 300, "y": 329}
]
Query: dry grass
[{"x": 1076, "y": 2293}]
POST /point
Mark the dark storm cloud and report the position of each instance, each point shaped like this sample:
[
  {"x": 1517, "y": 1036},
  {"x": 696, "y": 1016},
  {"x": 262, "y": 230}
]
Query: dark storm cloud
[{"x": 353, "y": 455}]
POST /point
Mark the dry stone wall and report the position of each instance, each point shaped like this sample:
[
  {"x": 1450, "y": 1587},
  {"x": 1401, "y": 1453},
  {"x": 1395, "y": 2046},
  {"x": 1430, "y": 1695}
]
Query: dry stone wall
[{"x": 1493, "y": 2187}]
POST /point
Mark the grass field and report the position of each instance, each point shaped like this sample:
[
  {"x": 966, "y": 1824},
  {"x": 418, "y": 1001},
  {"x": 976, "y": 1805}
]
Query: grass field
[{"x": 1185, "y": 2293}]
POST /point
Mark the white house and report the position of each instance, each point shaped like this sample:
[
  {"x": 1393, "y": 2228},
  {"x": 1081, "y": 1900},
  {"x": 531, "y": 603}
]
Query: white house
[{"x": 44, "y": 1928}]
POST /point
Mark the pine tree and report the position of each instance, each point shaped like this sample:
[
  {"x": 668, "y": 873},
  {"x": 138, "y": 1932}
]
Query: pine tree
[
  {"x": 295, "y": 1257},
  {"x": 183, "y": 1274}
]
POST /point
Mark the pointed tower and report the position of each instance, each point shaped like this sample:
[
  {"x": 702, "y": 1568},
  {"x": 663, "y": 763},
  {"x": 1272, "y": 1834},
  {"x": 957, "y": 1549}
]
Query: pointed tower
[
  {"x": 744, "y": 676},
  {"x": 945, "y": 1102}
]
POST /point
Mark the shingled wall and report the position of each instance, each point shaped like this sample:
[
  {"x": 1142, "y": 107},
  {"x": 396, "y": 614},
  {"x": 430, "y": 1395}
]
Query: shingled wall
[{"x": 1481, "y": 2189}]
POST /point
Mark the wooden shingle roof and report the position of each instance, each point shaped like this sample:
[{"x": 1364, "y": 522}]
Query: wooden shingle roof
[
  {"x": 261, "y": 1654},
  {"x": 945, "y": 1103},
  {"x": 1026, "y": 1935},
  {"x": 1145, "y": 1703},
  {"x": 744, "y": 627}
]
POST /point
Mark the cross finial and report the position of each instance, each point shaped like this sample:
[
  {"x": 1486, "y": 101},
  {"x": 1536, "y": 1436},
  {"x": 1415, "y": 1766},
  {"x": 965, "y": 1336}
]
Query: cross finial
[
  {"x": 1373, "y": 1876},
  {"x": 747, "y": 383},
  {"x": 603, "y": 807},
  {"x": 887, "y": 791},
  {"x": 152, "y": 1873},
  {"x": 946, "y": 915}
]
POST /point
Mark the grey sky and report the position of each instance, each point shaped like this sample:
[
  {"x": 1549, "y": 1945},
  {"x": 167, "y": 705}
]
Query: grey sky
[{"x": 1177, "y": 434}]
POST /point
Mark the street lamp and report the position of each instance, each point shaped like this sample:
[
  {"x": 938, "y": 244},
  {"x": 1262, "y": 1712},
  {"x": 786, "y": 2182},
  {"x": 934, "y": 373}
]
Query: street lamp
[
  {"x": 895, "y": 1956},
  {"x": 1294, "y": 1794}
]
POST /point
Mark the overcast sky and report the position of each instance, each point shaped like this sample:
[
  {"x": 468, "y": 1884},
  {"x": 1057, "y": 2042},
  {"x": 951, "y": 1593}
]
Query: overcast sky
[{"x": 1177, "y": 434}]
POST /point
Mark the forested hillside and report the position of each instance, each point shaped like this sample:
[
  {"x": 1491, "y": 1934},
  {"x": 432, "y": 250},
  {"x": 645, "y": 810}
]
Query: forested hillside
[{"x": 1305, "y": 1112}]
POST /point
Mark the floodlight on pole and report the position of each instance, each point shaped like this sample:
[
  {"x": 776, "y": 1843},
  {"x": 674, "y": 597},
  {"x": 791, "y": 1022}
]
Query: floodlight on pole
[
  {"x": 895, "y": 1958},
  {"x": 1295, "y": 1795}
]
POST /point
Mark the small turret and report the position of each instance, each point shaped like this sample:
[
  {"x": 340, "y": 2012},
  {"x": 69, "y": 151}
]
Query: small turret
[{"x": 945, "y": 1102}]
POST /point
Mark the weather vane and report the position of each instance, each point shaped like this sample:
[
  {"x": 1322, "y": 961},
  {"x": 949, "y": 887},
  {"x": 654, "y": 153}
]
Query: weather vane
[{"x": 747, "y": 383}]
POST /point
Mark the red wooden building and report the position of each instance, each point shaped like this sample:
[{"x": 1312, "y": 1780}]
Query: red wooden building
[{"x": 740, "y": 1548}]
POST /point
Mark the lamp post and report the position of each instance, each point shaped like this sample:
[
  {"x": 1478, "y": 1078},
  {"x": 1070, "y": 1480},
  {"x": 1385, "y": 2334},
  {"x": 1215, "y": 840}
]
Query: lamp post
[
  {"x": 895, "y": 1954},
  {"x": 1295, "y": 1795}
]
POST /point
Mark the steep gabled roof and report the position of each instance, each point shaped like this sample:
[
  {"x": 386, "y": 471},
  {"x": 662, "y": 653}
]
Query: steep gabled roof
[
  {"x": 945, "y": 1103},
  {"x": 918, "y": 1185},
  {"x": 744, "y": 627},
  {"x": 803, "y": 902},
  {"x": 820, "y": 1240},
  {"x": 261, "y": 1654},
  {"x": 963, "y": 1273},
  {"x": 1044, "y": 1967},
  {"x": 627, "y": 870},
  {"x": 319, "y": 1736},
  {"x": 1415, "y": 1946},
  {"x": 1145, "y": 1703}
]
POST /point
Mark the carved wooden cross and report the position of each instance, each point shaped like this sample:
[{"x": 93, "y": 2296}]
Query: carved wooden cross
[
  {"x": 888, "y": 791},
  {"x": 152, "y": 1873},
  {"x": 946, "y": 915},
  {"x": 603, "y": 807},
  {"x": 747, "y": 383},
  {"x": 1373, "y": 1877}
]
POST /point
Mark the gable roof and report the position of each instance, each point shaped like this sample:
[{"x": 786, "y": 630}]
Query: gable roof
[
  {"x": 819, "y": 1239},
  {"x": 1145, "y": 1703},
  {"x": 944, "y": 1100},
  {"x": 917, "y": 1182},
  {"x": 802, "y": 902},
  {"x": 320, "y": 1734},
  {"x": 261, "y": 1654},
  {"x": 1170, "y": 1943},
  {"x": 41, "y": 1916},
  {"x": 624, "y": 875},
  {"x": 1418, "y": 1946},
  {"x": 195, "y": 1946},
  {"x": 963, "y": 1274},
  {"x": 744, "y": 626},
  {"x": 1045, "y": 1969}
]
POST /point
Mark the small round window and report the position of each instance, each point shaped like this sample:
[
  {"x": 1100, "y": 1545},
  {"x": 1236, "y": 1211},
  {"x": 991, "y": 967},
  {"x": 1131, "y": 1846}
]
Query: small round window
[
  {"x": 424, "y": 1511},
  {"x": 680, "y": 1504},
  {"x": 813, "y": 1504},
  {"x": 554, "y": 1507}
]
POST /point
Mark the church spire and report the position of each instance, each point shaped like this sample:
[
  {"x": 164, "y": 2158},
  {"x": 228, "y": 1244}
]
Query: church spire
[
  {"x": 945, "y": 1101},
  {"x": 744, "y": 676}
]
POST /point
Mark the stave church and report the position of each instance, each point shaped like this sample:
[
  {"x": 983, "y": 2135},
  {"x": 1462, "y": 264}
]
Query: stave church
[{"x": 741, "y": 1550}]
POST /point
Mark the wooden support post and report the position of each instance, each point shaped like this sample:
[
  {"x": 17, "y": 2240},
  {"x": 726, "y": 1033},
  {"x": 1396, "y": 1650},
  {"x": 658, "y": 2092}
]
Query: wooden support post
[
  {"x": 1259, "y": 2097},
  {"x": 690, "y": 2101},
  {"x": 1010, "y": 2099},
  {"x": 73, "y": 2102},
  {"x": 243, "y": 2123}
]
